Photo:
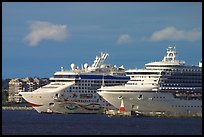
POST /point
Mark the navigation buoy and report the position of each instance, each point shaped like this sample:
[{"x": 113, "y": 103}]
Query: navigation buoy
[{"x": 122, "y": 107}]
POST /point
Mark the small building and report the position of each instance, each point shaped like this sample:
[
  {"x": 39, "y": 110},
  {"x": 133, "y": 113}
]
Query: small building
[{"x": 15, "y": 86}]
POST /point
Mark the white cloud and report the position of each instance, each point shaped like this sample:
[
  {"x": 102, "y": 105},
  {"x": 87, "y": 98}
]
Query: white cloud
[
  {"x": 124, "y": 39},
  {"x": 171, "y": 33},
  {"x": 42, "y": 30}
]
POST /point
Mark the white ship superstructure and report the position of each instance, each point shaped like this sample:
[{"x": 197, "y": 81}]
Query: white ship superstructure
[
  {"x": 75, "y": 90},
  {"x": 167, "y": 87}
]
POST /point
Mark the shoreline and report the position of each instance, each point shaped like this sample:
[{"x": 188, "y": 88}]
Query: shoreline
[{"x": 16, "y": 108}]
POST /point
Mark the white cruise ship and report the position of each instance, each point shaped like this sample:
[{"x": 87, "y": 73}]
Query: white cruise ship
[
  {"x": 167, "y": 87},
  {"x": 75, "y": 90}
]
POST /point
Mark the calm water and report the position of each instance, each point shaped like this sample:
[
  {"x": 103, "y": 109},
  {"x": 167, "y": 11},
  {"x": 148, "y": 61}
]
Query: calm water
[{"x": 29, "y": 122}]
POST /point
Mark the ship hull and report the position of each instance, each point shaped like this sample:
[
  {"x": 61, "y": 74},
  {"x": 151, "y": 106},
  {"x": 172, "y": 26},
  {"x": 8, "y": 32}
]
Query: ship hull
[
  {"x": 46, "y": 103},
  {"x": 154, "y": 103}
]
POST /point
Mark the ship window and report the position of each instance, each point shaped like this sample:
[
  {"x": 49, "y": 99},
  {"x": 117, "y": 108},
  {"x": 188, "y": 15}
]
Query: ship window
[
  {"x": 140, "y": 96},
  {"x": 51, "y": 104}
]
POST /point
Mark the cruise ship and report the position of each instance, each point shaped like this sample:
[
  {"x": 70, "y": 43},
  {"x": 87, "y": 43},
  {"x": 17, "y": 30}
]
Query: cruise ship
[
  {"x": 167, "y": 87},
  {"x": 75, "y": 90}
]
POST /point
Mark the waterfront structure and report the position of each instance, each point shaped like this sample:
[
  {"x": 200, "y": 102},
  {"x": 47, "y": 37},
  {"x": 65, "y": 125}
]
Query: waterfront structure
[
  {"x": 167, "y": 87},
  {"x": 75, "y": 90}
]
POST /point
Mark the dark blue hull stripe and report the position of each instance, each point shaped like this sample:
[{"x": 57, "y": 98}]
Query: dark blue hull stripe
[{"x": 103, "y": 77}]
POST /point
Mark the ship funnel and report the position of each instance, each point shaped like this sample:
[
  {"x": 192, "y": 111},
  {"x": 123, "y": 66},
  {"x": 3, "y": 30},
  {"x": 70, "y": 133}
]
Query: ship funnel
[
  {"x": 170, "y": 54},
  {"x": 99, "y": 60}
]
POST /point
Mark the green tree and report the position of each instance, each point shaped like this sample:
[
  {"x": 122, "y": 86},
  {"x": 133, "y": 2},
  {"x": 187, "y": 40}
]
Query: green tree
[{"x": 4, "y": 95}]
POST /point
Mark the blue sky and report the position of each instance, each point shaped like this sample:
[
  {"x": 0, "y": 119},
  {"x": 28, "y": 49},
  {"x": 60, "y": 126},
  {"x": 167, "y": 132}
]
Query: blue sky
[{"x": 38, "y": 38}]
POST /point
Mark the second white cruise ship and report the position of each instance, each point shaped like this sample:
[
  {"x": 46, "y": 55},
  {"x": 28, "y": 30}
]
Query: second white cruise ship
[
  {"x": 167, "y": 87},
  {"x": 75, "y": 90}
]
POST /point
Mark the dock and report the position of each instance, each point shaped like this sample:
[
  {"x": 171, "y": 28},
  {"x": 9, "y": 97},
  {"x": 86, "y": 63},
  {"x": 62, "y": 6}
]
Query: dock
[
  {"x": 16, "y": 108},
  {"x": 117, "y": 113}
]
